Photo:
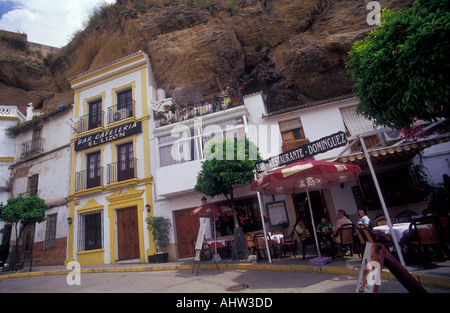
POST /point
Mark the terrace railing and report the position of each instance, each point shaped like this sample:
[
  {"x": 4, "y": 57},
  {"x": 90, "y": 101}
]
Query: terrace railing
[
  {"x": 178, "y": 113},
  {"x": 33, "y": 146}
]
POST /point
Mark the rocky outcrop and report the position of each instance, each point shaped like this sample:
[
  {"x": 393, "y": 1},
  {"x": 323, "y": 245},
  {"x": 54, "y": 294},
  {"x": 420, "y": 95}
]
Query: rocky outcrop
[{"x": 299, "y": 47}]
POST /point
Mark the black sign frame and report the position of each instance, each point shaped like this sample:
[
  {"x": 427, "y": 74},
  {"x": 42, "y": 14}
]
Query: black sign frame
[
  {"x": 319, "y": 146},
  {"x": 109, "y": 135}
]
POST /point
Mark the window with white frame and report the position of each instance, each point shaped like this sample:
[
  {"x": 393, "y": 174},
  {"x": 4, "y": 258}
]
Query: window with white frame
[{"x": 189, "y": 145}]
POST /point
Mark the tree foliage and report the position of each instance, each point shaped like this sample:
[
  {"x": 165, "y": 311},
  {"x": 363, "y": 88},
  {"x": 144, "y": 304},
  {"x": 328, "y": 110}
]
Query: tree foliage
[
  {"x": 402, "y": 69},
  {"x": 26, "y": 211},
  {"x": 228, "y": 163}
]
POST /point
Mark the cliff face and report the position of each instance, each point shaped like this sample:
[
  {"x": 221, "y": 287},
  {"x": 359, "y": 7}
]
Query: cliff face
[{"x": 299, "y": 48}]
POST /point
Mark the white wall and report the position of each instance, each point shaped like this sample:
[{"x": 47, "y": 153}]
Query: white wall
[{"x": 436, "y": 161}]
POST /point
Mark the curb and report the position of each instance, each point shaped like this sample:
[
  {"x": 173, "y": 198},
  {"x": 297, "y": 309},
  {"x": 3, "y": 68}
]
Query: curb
[{"x": 428, "y": 280}]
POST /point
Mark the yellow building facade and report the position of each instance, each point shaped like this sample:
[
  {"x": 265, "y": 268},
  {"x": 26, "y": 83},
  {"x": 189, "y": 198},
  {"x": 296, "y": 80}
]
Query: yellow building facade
[{"x": 111, "y": 183}]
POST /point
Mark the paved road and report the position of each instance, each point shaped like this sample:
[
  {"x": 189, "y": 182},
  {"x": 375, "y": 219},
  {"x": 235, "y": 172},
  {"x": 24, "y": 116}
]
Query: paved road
[{"x": 207, "y": 281}]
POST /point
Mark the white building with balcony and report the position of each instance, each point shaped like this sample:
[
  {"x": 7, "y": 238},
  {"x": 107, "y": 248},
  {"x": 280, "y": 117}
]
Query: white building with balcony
[
  {"x": 38, "y": 158},
  {"x": 177, "y": 152},
  {"x": 111, "y": 183}
]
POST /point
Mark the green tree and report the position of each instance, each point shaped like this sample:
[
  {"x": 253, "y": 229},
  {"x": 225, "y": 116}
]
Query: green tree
[
  {"x": 402, "y": 69},
  {"x": 228, "y": 163},
  {"x": 23, "y": 212}
]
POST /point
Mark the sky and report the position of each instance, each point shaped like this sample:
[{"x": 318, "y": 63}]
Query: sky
[{"x": 48, "y": 22}]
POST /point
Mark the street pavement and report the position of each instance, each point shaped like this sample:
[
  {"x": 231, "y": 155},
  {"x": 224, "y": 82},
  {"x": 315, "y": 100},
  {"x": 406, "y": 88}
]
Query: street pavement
[
  {"x": 207, "y": 281},
  {"x": 287, "y": 275}
]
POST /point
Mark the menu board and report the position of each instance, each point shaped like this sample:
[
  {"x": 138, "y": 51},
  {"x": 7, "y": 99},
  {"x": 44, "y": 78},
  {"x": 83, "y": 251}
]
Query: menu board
[
  {"x": 277, "y": 212},
  {"x": 201, "y": 234}
]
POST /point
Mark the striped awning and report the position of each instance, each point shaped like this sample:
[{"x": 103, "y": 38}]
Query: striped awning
[{"x": 396, "y": 152}]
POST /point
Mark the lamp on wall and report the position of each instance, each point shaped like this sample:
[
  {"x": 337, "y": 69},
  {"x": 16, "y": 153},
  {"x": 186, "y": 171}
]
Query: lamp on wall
[
  {"x": 204, "y": 200},
  {"x": 69, "y": 220},
  {"x": 148, "y": 208}
]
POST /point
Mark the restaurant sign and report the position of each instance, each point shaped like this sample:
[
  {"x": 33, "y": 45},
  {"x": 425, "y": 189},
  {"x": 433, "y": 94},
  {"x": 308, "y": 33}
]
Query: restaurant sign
[
  {"x": 112, "y": 134},
  {"x": 322, "y": 145}
]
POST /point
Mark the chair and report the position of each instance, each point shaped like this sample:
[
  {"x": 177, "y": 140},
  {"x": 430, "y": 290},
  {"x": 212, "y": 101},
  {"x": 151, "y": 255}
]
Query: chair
[
  {"x": 404, "y": 217},
  {"x": 346, "y": 236},
  {"x": 304, "y": 246},
  {"x": 445, "y": 220},
  {"x": 380, "y": 221},
  {"x": 260, "y": 245},
  {"x": 291, "y": 243},
  {"x": 362, "y": 240},
  {"x": 377, "y": 237},
  {"x": 250, "y": 243},
  {"x": 427, "y": 232},
  {"x": 287, "y": 243}
]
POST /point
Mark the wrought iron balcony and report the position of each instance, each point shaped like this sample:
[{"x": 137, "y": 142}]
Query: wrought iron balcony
[
  {"x": 91, "y": 121},
  {"x": 177, "y": 113},
  {"x": 34, "y": 146},
  {"x": 89, "y": 179},
  {"x": 122, "y": 170},
  {"x": 121, "y": 111}
]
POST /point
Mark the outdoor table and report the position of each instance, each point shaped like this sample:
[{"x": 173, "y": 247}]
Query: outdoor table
[
  {"x": 277, "y": 238},
  {"x": 219, "y": 243},
  {"x": 399, "y": 229},
  {"x": 222, "y": 247}
]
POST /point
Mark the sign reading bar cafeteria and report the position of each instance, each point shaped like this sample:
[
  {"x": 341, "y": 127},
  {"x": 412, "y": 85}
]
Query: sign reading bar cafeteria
[
  {"x": 112, "y": 134},
  {"x": 322, "y": 145}
]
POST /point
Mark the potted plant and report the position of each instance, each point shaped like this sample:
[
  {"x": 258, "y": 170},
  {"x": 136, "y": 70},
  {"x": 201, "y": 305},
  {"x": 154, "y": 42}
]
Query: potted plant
[{"x": 159, "y": 225}]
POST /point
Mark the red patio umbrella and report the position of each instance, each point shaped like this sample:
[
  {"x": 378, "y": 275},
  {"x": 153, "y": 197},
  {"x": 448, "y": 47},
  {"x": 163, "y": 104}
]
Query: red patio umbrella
[
  {"x": 306, "y": 175},
  {"x": 208, "y": 209},
  {"x": 303, "y": 176},
  {"x": 212, "y": 209}
]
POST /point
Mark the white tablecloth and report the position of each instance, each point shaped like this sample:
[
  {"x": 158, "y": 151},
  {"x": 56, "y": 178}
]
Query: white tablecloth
[
  {"x": 277, "y": 238},
  {"x": 399, "y": 229}
]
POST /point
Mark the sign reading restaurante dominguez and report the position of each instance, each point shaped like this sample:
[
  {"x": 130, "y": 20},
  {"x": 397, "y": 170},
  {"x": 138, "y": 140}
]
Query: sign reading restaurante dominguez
[
  {"x": 321, "y": 145},
  {"x": 112, "y": 134}
]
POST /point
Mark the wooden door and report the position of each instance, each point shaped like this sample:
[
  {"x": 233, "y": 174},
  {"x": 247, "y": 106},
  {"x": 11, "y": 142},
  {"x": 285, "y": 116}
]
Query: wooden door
[
  {"x": 128, "y": 234},
  {"x": 187, "y": 227}
]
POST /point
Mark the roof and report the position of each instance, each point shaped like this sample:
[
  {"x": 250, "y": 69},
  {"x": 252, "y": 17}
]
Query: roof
[
  {"x": 99, "y": 68},
  {"x": 310, "y": 104}
]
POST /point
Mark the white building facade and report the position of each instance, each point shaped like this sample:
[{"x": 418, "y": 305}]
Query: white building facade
[
  {"x": 177, "y": 142},
  {"x": 40, "y": 166}
]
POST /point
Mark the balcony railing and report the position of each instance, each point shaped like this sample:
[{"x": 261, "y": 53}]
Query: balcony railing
[
  {"x": 122, "y": 170},
  {"x": 121, "y": 111},
  {"x": 89, "y": 179},
  {"x": 34, "y": 146},
  {"x": 178, "y": 113},
  {"x": 88, "y": 122}
]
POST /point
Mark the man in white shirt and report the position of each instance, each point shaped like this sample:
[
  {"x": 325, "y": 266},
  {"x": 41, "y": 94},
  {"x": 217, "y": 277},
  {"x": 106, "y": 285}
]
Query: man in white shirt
[{"x": 342, "y": 219}]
